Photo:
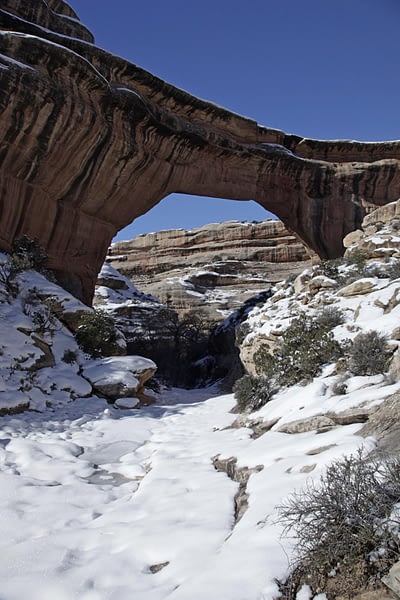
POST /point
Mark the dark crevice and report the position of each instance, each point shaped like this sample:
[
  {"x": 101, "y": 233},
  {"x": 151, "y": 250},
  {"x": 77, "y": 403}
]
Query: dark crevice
[{"x": 240, "y": 475}]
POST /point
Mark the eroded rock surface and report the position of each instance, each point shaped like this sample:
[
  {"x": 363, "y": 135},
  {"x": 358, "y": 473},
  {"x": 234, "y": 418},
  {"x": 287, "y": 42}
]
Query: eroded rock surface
[
  {"x": 213, "y": 269},
  {"x": 89, "y": 142}
]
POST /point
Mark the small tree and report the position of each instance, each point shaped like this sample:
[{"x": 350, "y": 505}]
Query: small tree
[
  {"x": 97, "y": 334},
  {"x": 45, "y": 316}
]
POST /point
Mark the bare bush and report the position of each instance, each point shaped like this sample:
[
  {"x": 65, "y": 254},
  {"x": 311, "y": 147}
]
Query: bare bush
[{"x": 350, "y": 517}]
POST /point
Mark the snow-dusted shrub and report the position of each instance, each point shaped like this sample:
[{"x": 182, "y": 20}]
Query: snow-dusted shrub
[
  {"x": 329, "y": 317},
  {"x": 347, "y": 522},
  {"x": 10, "y": 288},
  {"x": 96, "y": 334},
  {"x": 330, "y": 267},
  {"x": 306, "y": 345},
  {"x": 251, "y": 393},
  {"x": 45, "y": 316},
  {"x": 357, "y": 259},
  {"x": 26, "y": 253},
  {"x": 368, "y": 354},
  {"x": 393, "y": 270}
]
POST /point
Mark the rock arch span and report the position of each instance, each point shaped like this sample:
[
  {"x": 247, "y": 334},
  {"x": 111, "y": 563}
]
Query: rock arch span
[{"x": 89, "y": 142}]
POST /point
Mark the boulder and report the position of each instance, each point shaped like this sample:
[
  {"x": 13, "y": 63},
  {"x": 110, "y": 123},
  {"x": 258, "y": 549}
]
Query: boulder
[
  {"x": 119, "y": 377},
  {"x": 359, "y": 287},
  {"x": 384, "y": 425},
  {"x": 384, "y": 214},
  {"x": 352, "y": 238},
  {"x": 317, "y": 422}
]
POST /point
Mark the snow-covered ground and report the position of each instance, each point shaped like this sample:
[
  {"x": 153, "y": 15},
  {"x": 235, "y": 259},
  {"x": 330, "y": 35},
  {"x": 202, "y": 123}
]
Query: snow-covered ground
[
  {"x": 101, "y": 502},
  {"x": 94, "y": 500}
]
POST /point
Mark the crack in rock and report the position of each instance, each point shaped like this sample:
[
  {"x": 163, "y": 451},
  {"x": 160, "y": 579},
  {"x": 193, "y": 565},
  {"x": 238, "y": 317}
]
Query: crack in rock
[{"x": 241, "y": 476}]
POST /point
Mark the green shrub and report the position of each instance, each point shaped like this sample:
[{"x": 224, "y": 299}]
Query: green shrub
[
  {"x": 329, "y": 317},
  {"x": 306, "y": 345},
  {"x": 357, "y": 259},
  {"x": 349, "y": 518},
  {"x": 97, "y": 334},
  {"x": 69, "y": 357},
  {"x": 305, "y": 349},
  {"x": 27, "y": 254},
  {"x": 330, "y": 267},
  {"x": 264, "y": 362},
  {"x": 368, "y": 354},
  {"x": 251, "y": 392}
]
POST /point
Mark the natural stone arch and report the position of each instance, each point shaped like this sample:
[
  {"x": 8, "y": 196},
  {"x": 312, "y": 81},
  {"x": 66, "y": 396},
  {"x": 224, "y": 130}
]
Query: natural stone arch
[{"x": 89, "y": 142}]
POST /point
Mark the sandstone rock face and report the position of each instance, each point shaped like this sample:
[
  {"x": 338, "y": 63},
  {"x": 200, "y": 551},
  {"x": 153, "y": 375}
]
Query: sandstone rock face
[
  {"x": 379, "y": 238},
  {"x": 365, "y": 279},
  {"x": 213, "y": 269},
  {"x": 267, "y": 241},
  {"x": 89, "y": 142}
]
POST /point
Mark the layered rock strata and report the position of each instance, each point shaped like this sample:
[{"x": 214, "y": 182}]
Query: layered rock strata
[
  {"x": 89, "y": 142},
  {"x": 214, "y": 268}
]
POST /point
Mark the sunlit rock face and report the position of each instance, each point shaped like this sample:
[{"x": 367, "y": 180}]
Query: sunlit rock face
[
  {"x": 212, "y": 269},
  {"x": 89, "y": 142}
]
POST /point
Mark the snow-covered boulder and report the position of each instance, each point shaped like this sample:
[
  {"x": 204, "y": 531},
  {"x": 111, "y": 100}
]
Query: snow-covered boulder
[
  {"x": 64, "y": 305},
  {"x": 113, "y": 288},
  {"x": 119, "y": 376}
]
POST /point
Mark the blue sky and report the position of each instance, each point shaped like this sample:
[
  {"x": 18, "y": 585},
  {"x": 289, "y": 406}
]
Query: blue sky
[{"x": 325, "y": 69}]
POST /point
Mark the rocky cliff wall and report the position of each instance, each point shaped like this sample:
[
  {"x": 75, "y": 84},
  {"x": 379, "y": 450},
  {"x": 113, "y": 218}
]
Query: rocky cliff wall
[
  {"x": 214, "y": 268},
  {"x": 151, "y": 253},
  {"x": 89, "y": 142}
]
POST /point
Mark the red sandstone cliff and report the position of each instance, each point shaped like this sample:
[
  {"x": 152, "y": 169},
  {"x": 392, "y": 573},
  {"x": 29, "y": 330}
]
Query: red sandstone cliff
[{"x": 88, "y": 142}]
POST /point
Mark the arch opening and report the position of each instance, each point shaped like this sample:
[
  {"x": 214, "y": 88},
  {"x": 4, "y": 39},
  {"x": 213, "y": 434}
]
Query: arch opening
[
  {"x": 183, "y": 211},
  {"x": 201, "y": 276}
]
